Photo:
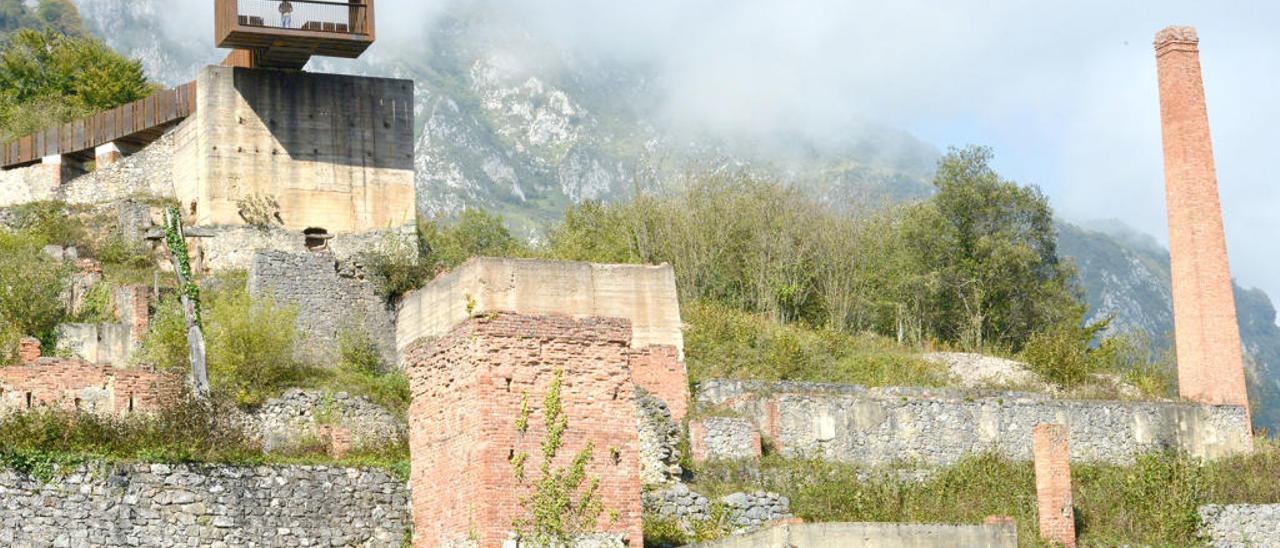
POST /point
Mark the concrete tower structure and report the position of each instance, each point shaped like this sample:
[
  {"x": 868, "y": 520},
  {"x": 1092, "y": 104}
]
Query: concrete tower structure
[{"x": 1210, "y": 358}]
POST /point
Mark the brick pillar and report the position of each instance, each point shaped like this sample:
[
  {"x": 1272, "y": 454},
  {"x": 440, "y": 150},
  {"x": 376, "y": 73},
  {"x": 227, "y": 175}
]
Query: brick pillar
[
  {"x": 468, "y": 387},
  {"x": 28, "y": 350},
  {"x": 1053, "y": 484},
  {"x": 1207, "y": 334}
]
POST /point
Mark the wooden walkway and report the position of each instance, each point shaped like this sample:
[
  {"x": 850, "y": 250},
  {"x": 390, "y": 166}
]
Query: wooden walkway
[{"x": 137, "y": 123}]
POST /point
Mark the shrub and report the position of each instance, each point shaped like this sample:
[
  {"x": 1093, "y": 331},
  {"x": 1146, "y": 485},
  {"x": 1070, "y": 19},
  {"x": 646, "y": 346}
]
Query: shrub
[
  {"x": 396, "y": 267},
  {"x": 362, "y": 371},
  {"x": 251, "y": 345},
  {"x": 165, "y": 345},
  {"x": 1065, "y": 355},
  {"x": 474, "y": 234},
  {"x": 30, "y": 287},
  {"x": 53, "y": 223}
]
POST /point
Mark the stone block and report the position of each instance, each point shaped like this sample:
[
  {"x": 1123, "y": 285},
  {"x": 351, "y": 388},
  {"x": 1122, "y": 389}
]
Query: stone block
[{"x": 724, "y": 438}]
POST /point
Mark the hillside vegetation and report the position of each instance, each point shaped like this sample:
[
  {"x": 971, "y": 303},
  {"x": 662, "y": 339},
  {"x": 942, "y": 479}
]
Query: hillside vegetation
[{"x": 51, "y": 72}]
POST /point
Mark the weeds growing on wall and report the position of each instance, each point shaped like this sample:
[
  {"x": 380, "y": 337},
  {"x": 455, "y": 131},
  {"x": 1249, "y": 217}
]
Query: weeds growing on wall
[{"x": 563, "y": 501}]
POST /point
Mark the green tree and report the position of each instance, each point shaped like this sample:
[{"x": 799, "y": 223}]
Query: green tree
[
  {"x": 30, "y": 288},
  {"x": 474, "y": 234},
  {"x": 49, "y": 77},
  {"x": 987, "y": 248}
]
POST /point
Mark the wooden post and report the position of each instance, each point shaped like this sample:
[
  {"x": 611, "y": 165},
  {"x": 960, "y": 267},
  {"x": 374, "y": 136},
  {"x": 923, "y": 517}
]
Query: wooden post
[{"x": 177, "y": 246}]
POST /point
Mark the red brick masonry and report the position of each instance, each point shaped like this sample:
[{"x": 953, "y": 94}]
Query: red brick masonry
[
  {"x": 1053, "y": 485},
  {"x": 71, "y": 384},
  {"x": 1210, "y": 359},
  {"x": 467, "y": 391},
  {"x": 659, "y": 370}
]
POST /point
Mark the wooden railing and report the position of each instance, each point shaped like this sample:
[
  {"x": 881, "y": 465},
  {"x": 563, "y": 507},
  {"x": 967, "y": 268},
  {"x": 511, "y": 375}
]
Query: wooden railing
[
  {"x": 354, "y": 17},
  {"x": 140, "y": 120}
]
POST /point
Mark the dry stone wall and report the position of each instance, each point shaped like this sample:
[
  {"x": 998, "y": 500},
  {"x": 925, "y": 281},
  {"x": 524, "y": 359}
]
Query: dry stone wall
[
  {"x": 1234, "y": 525},
  {"x": 938, "y": 427},
  {"x": 167, "y": 506},
  {"x": 299, "y": 414},
  {"x": 331, "y": 298}
]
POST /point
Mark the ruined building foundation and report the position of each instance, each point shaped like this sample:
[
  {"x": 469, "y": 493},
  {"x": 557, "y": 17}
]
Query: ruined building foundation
[
  {"x": 310, "y": 150},
  {"x": 1210, "y": 357}
]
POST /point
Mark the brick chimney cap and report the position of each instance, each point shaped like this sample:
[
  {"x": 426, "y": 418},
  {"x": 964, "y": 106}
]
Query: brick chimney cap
[{"x": 1177, "y": 35}]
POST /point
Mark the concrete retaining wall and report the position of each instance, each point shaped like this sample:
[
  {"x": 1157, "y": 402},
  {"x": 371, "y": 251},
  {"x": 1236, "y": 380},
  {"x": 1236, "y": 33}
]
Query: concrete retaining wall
[
  {"x": 1241, "y": 525},
  {"x": 195, "y": 506},
  {"x": 939, "y": 427},
  {"x": 880, "y": 535}
]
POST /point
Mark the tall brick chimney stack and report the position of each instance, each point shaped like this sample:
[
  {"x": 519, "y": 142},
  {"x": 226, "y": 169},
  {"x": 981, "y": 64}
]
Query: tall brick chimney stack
[{"x": 1210, "y": 359}]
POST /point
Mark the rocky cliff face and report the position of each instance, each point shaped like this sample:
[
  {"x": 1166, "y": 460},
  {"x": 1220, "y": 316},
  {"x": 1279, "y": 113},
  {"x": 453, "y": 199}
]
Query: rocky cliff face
[{"x": 510, "y": 125}]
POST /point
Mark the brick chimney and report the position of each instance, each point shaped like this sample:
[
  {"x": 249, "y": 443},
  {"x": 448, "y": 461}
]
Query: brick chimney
[{"x": 1210, "y": 358}]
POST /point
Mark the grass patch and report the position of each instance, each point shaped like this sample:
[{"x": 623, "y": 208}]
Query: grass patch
[
  {"x": 1154, "y": 502},
  {"x": 725, "y": 343}
]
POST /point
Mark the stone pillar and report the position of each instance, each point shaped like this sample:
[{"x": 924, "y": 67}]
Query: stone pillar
[
  {"x": 28, "y": 350},
  {"x": 1053, "y": 485},
  {"x": 469, "y": 388},
  {"x": 1210, "y": 358}
]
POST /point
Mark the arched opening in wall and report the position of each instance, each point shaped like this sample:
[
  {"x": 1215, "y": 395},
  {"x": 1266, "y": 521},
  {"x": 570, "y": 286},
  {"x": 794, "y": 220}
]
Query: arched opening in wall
[
  {"x": 28, "y": 400},
  {"x": 317, "y": 239},
  {"x": 77, "y": 402},
  {"x": 130, "y": 403}
]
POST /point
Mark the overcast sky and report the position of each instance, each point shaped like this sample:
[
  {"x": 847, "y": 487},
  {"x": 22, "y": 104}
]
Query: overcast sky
[{"x": 1064, "y": 90}]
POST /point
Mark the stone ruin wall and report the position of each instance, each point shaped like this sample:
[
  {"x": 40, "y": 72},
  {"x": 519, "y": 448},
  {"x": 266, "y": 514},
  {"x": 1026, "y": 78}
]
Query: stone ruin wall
[
  {"x": 331, "y": 298},
  {"x": 190, "y": 506},
  {"x": 1229, "y": 526},
  {"x": 940, "y": 427},
  {"x": 468, "y": 390}
]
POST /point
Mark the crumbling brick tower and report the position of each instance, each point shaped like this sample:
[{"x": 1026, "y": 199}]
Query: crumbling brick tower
[
  {"x": 468, "y": 391},
  {"x": 1210, "y": 358}
]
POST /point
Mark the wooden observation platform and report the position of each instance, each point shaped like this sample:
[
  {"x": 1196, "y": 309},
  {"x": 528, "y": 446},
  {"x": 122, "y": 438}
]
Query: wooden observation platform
[{"x": 287, "y": 33}]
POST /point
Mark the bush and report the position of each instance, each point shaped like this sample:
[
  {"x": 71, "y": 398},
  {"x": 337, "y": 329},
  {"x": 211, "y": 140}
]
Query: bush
[
  {"x": 397, "y": 267},
  {"x": 474, "y": 234},
  {"x": 251, "y": 345},
  {"x": 1065, "y": 354},
  {"x": 31, "y": 284},
  {"x": 165, "y": 345},
  {"x": 362, "y": 371}
]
